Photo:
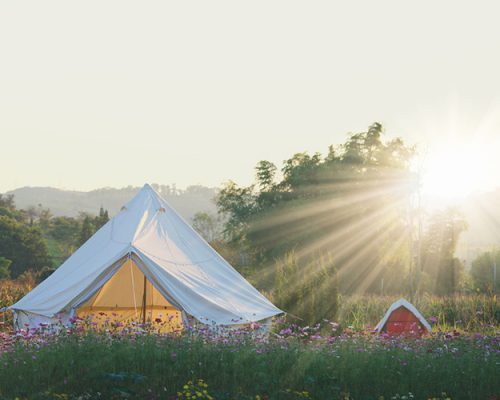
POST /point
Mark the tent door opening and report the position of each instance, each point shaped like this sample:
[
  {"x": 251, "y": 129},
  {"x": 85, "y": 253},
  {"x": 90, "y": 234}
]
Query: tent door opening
[{"x": 129, "y": 297}]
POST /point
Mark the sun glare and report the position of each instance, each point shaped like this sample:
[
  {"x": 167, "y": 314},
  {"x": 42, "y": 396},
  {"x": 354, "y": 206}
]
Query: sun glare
[{"x": 450, "y": 174}]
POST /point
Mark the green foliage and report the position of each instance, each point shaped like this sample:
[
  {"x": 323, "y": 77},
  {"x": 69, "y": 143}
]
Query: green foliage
[
  {"x": 438, "y": 249},
  {"x": 195, "y": 390},
  {"x": 207, "y": 225},
  {"x": 483, "y": 271},
  {"x": 90, "y": 225},
  {"x": 349, "y": 206},
  {"x": 239, "y": 204},
  {"x": 64, "y": 229},
  {"x": 7, "y": 202},
  {"x": 265, "y": 172},
  {"x": 87, "y": 230},
  {"x": 23, "y": 245},
  {"x": 101, "y": 219},
  {"x": 44, "y": 273},
  {"x": 33, "y": 239},
  {"x": 4, "y": 268},
  {"x": 300, "y": 173},
  {"x": 309, "y": 291}
]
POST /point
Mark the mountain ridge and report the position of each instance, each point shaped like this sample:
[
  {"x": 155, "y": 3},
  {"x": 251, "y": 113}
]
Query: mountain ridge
[{"x": 62, "y": 202}]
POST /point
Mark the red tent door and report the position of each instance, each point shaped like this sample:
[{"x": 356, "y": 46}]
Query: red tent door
[{"x": 403, "y": 321}]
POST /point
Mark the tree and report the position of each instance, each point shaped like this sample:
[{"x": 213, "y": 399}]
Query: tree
[
  {"x": 206, "y": 225},
  {"x": 44, "y": 218},
  {"x": 483, "y": 271},
  {"x": 44, "y": 273},
  {"x": 7, "y": 201},
  {"x": 101, "y": 219},
  {"x": 90, "y": 225},
  {"x": 300, "y": 172},
  {"x": 239, "y": 205},
  {"x": 64, "y": 232},
  {"x": 265, "y": 174},
  {"x": 32, "y": 214},
  {"x": 438, "y": 249},
  {"x": 87, "y": 229},
  {"x": 4, "y": 268},
  {"x": 24, "y": 245},
  {"x": 350, "y": 204}
]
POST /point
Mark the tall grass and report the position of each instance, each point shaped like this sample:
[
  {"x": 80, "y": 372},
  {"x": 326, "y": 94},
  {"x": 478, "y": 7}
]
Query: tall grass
[
  {"x": 10, "y": 293},
  {"x": 350, "y": 366},
  {"x": 344, "y": 367},
  {"x": 466, "y": 312},
  {"x": 471, "y": 312}
]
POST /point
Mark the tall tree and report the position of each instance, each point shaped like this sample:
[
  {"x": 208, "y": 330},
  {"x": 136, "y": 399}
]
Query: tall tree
[
  {"x": 101, "y": 219},
  {"x": 485, "y": 271},
  {"x": 265, "y": 172},
  {"x": 438, "y": 249},
  {"x": 87, "y": 229},
  {"x": 350, "y": 203}
]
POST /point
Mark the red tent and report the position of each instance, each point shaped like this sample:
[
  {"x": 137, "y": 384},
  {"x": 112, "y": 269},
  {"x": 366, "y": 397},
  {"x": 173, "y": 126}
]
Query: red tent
[{"x": 403, "y": 318}]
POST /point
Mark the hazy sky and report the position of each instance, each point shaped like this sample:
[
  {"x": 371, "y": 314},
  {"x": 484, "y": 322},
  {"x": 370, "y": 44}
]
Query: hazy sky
[{"x": 105, "y": 93}]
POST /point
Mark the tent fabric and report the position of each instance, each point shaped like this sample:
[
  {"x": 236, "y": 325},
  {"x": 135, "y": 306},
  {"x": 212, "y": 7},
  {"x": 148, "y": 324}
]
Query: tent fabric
[
  {"x": 184, "y": 269},
  {"x": 396, "y": 314}
]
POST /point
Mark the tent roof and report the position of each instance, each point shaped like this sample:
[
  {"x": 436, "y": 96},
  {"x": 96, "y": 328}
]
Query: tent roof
[
  {"x": 410, "y": 307},
  {"x": 179, "y": 263}
]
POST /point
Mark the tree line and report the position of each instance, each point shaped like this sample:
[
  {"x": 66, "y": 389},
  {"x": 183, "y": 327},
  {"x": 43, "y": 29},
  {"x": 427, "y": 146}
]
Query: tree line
[
  {"x": 306, "y": 232},
  {"x": 342, "y": 223},
  {"x": 35, "y": 241}
]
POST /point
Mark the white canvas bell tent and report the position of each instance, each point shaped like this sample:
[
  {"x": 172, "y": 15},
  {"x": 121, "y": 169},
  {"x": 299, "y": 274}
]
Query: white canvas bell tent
[{"x": 144, "y": 263}]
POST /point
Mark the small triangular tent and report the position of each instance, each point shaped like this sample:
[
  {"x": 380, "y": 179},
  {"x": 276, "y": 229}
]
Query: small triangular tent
[
  {"x": 146, "y": 260},
  {"x": 403, "y": 318}
]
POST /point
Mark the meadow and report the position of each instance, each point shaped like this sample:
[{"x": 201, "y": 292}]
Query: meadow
[
  {"x": 341, "y": 360},
  {"x": 292, "y": 363}
]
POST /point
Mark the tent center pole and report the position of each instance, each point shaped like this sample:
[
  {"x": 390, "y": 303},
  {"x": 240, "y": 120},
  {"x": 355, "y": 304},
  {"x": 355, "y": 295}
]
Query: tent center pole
[{"x": 144, "y": 302}]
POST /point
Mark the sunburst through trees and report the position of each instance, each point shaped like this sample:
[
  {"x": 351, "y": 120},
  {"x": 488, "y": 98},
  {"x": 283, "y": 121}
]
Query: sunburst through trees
[{"x": 323, "y": 225}]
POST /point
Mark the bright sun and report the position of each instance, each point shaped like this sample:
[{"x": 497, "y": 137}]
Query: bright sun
[{"x": 451, "y": 173}]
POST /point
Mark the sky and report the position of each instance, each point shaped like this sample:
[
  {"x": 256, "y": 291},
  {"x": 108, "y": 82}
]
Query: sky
[{"x": 118, "y": 93}]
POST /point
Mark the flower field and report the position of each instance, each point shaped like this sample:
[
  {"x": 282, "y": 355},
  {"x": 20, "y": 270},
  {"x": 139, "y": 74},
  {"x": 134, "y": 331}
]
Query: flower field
[
  {"x": 337, "y": 361},
  {"x": 291, "y": 363}
]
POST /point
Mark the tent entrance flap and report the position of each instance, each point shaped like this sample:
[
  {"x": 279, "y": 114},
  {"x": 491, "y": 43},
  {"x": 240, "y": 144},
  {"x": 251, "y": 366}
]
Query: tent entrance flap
[{"x": 127, "y": 297}]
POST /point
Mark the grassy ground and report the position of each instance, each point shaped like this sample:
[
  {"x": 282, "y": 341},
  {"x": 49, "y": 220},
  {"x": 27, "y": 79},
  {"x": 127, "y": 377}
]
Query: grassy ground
[{"x": 294, "y": 363}]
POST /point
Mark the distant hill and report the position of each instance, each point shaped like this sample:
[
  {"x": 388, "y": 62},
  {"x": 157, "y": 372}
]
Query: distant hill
[{"x": 69, "y": 203}]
